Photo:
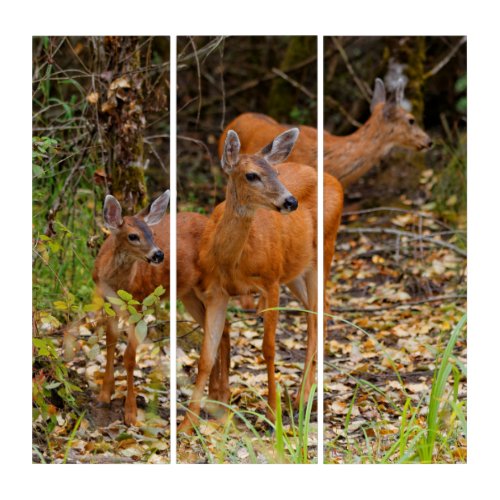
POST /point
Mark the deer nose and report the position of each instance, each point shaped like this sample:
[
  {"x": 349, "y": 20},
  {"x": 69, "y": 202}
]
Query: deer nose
[
  {"x": 291, "y": 204},
  {"x": 430, "y": 143},
  {"x": 157, "y": 257}
]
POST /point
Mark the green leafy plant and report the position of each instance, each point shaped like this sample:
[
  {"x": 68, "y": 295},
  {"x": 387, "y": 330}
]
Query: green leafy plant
[
  {"x": 125, "y": 302},
  {"x": 430, "y": 441},
  {"x": 51, "y": 385}
]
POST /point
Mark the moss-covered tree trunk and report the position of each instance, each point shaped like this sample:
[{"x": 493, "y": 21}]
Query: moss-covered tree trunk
[
  {"x": 282, "y": 102},
  {"x": 119, "y": 115}
]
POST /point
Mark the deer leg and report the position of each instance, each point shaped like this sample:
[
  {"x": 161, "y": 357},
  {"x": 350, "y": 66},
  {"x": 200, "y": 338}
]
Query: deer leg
[
  {"x": 214, "y": 325},
  {"x": 129, "y": 362},
  {"x": 328, "y": 252},
  {"x": 247, "y": 302},
  {"x": 218, "y": 388},
  {"x": 108, "y": 384},
  {"x": 299, "y": 290},
  {"x": 311, "y": 281},
  {"x": 269, "y": 348}
]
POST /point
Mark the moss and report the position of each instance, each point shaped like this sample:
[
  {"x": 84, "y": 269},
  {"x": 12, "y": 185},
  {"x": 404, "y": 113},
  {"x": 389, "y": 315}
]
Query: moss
[
  {"x": 415, "y": 52},
  {"x": 129, "y": 187},
  {"x": 450, "y": 190},
  {"x": 283, "y": 97}
]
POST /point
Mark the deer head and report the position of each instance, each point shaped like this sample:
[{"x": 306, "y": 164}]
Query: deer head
[
  {"x": 133, "y": 233},
  {"x": 399, "y": 125},
  {"x": 253, "y": 182}
]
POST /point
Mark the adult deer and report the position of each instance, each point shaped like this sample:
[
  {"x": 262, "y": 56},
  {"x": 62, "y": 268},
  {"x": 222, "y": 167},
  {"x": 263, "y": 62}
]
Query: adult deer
[
  {"x": 135, "y": 258},
  {"x": 262, "y": 236},
  {"x": 345, "y": 157}
]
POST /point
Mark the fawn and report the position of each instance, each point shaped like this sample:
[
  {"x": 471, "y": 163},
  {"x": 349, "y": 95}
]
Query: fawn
[
  {"x": 348, "y": 157},
  {"x": 259, "y": 237},
  {"x": 133, "y": 259}
]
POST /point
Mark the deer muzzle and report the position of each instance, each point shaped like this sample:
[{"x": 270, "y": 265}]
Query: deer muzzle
[{"x": 157, "y": 257}]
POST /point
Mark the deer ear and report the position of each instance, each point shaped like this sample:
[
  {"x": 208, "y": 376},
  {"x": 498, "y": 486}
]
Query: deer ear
[
  {"x": 231, "y": 153},
  {"x": 378, "y": 94},
  {"x": 281, "y": 147},
  {"x": 112, "y": 212},
  {"x": 157, "y": 209}
]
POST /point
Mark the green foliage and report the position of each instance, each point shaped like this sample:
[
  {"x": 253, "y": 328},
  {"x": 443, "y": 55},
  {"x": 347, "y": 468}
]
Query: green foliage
[
  {"x": 461, "y": 91},
  {"x": 43, "y": 147},
  {"x": 51, "y": 385},
  {"x": 439, "y": 399},
  {"x": 302, "y": 116},
  {"x": 433, "y": 440},
  {"x": 282, "y": 443},
  {"x": 125, "y": 302},
  {"x": 450, "y": 190}
]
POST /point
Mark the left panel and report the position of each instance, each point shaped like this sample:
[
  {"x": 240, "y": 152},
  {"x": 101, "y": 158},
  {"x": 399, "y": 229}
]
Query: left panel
[{"x": 100, "y": 249}]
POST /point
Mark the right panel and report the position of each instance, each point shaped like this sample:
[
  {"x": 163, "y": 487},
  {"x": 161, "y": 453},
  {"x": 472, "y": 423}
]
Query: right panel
[{"x": 395, "y": 351}]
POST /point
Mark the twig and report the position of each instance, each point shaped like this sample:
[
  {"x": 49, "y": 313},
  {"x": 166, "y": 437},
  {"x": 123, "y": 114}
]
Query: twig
[
  {"x": 199, "y": 143},
  {"x": 203, "y": 52},
  {"x": 56, "y": 206},
  {"x": 257, "y": 81},
  {"x": 198, "y": 71},
  {"x": 222, "y": 87},
  {"x": 157, "y": 156},
  {"x": 335, "y": 104},
  {"x": 446, "y": 59},
  {"x": 361, "y": 85},
  {"x": 440, "y": 298},
  {"x": 429, "y": 239},
  {"x": 395, "y": 209},
  {"x": 294, "y": 83},
  {"x": 76, "y": 55}
]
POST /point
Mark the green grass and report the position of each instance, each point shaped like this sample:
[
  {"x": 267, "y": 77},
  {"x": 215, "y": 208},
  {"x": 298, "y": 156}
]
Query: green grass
[
  {"x": 263, "y": 440},
  {"x": 430, "y": 440}
]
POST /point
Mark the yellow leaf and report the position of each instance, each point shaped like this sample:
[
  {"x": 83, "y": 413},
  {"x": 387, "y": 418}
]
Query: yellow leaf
[{"x": 93, "y": 97}]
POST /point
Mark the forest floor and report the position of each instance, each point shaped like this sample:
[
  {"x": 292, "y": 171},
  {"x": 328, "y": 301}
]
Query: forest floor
[
  {"x": 101, "y": 435},
  {"x": 245, "y": 437},
  {"x": 395, "y": 295},
  {"x": 397, "y": 289}
]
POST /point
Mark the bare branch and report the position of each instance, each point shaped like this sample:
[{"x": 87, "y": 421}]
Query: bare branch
[
  {"x": 441, "y": 64},
  {"x": 294, "y": 83},
  {"x": 361, "y": 85}
]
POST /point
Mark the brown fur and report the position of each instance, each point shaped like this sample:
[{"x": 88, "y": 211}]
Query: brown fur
[
  {"x": 346, "y": 158},
  {"x": 120, "y": 266},
  {"x": 248, "y": 247}
]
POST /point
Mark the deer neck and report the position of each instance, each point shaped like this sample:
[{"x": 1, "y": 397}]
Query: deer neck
[
  {"x": 120, "y": 270},
  {"x": 349, "y": 157},
  {"x": 232, "y": 230}
]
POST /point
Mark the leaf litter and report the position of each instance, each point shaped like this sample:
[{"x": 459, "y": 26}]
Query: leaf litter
[
  {"x": 405, "y": 294},
  {"x": 102, "y": 436}
]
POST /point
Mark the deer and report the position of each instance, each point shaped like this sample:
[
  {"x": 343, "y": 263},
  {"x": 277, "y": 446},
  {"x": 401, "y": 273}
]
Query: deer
[
  {"x": 262, "y": 236},
  {"x": 132, "y": 258},
  {"x": 345, "y": 157},
  {"x": 135, "y": 258}
]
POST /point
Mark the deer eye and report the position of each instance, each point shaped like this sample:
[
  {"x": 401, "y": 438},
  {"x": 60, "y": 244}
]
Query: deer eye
[
  {"x": 411, "y": 121},
  {"x": 252, "y": 177},
  {"x": 133, "y": 237}
]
